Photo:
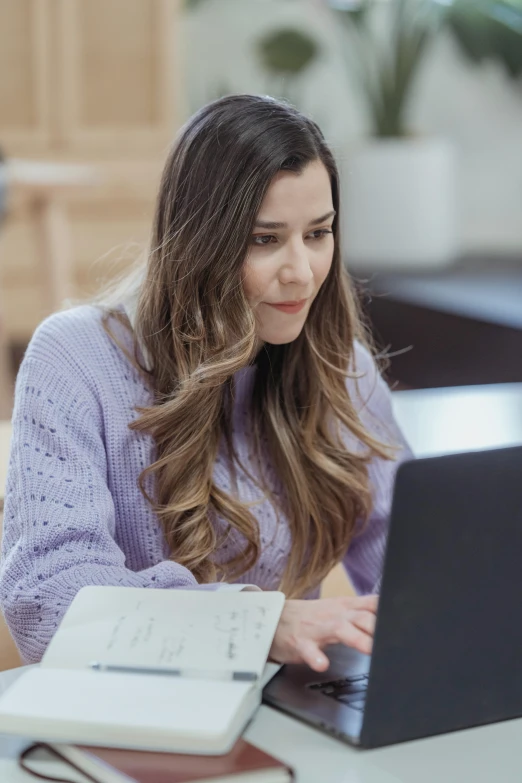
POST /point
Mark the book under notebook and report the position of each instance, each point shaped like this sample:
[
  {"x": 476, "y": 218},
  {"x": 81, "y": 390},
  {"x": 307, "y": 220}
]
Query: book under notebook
[{"x": 243, "y": 764}]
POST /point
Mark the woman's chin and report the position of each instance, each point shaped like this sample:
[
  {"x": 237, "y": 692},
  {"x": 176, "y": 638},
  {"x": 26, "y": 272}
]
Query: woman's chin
[{"x": 282, "y": 337}]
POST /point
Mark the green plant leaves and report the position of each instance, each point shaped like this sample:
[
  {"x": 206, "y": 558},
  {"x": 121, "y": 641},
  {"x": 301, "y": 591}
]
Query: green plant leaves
[
  {"x": 484, "y": 29},
  {"x": 387, "y": 68},
  {"x": 352, "y": 11},
  {"x": 191, "y": 5},
  {"x": 489, "y": 30},
  {"x": 287, "y": 51}
]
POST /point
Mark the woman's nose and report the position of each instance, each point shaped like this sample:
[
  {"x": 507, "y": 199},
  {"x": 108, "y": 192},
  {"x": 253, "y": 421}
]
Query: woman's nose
[{"x": 296, "y": 266}]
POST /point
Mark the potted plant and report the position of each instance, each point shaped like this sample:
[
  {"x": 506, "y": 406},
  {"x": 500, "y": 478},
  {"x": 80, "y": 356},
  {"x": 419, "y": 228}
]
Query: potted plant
[
  {"x": 399, "y": 186},
  {"x": 488, "y": 30},
  {"x": 285, "y": 55}
]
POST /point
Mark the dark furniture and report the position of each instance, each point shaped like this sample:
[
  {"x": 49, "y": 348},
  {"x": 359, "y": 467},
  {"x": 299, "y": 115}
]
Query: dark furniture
[{"x": 463, "y": 325}]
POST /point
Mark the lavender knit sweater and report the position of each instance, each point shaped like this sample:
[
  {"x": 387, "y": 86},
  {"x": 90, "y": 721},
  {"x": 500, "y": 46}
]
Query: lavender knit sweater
[{"x": 74, "y": 514}]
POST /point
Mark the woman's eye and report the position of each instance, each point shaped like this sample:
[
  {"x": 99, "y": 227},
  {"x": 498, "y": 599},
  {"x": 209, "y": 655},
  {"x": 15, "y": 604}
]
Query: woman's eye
[
  {"x": 320, "y": 233},
  {"x": 265, "y": 239}
]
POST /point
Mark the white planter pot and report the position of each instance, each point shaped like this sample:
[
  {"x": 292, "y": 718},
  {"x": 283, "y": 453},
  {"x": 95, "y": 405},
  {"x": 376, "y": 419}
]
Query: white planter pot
[{"x": 399, "y": 205}]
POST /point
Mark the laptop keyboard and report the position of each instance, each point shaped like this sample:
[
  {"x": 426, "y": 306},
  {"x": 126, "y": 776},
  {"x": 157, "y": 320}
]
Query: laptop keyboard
[{"x": 347, "y": 690}]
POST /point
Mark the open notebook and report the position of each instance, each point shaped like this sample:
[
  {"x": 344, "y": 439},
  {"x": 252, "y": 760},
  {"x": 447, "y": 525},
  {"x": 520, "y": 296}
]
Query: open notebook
[{"x": 171, "y": 670}]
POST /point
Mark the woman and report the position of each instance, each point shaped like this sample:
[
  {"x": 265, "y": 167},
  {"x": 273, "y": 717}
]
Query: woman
[{"x": 220, "y": 423}]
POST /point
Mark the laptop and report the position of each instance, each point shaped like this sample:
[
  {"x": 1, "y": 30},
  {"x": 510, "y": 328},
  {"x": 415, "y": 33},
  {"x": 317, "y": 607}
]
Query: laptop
[{"x": 447, "y": 651}]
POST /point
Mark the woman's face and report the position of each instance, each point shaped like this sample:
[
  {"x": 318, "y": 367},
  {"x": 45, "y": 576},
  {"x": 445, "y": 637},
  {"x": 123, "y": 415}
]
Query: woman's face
[{"x": 291, "y": 252}]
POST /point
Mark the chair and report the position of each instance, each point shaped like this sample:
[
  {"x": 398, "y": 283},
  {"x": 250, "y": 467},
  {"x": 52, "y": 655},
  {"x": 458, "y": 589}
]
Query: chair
[
  {"x": 9, "y": 656},
  {"x": 336, "y": 583}
]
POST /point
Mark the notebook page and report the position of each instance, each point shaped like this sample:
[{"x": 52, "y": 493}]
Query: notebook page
[
  {"x": 152, "y": 711},
  {"x": 167, "y": 629}
]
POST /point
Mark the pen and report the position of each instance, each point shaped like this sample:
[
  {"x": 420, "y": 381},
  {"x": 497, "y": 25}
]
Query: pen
[{"x": 197, "y": 674}]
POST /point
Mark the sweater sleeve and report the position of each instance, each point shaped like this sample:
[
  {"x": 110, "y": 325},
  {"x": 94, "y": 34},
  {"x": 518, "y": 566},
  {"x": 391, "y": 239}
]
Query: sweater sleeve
[
  {"x": 364, "y": 558},
  {"x": 59, "y": 519}
]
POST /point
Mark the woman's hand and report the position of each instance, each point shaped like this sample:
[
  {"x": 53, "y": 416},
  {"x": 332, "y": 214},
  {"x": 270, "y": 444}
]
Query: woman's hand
[{"x": 305, "y": 627}]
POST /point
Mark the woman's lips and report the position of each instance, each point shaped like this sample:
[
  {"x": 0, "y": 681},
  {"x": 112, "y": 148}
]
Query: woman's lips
[{"x": 289, "y": 307}]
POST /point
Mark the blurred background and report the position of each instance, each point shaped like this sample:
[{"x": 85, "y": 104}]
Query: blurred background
[{"x": 421, "y": 102}]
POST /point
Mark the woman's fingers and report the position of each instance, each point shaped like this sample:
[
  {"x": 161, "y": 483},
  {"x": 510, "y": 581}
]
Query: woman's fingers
[
  {"x": 364, "y": 620},
  {"x": 355, "y": 629},
  {"x": 364, "y": 602},
  {"x": 307, "y": 627},
  {"x": 352, "y": 636},
  {"x": 348, "y": 633},
  {"x": 312, "y": 655}
]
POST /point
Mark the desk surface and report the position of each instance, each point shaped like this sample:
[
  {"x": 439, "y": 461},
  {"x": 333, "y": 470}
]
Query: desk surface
[
  {"x": 460, "y": 418},
  {"x": 478, "y": 755}
]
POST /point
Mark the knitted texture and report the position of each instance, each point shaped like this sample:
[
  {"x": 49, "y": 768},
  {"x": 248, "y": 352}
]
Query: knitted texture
[{"x": 74, "y": 514}]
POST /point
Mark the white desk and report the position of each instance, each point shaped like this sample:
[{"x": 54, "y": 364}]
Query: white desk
[
  {"x": 460, "y": 418},
  {"x": 483, "y": 755}
]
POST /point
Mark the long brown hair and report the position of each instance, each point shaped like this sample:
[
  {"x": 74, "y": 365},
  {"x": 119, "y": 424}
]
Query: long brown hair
[{"x": 198, "y": 329}]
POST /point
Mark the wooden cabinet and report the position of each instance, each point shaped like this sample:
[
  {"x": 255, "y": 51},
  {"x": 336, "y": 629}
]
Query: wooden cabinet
[
  {"x": 87, "y": 81},
  {"x": 25, "y": 76},
  {"x": 116, "y": 75}
]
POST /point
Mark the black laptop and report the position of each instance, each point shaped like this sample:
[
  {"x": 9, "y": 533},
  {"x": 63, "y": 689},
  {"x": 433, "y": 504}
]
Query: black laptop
[{"x": 447, "y": 652}]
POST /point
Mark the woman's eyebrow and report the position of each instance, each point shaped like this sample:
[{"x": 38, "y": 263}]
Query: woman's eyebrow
[
  {"x": 322, "y": 219},
  {"x": 273, "y": 224}
]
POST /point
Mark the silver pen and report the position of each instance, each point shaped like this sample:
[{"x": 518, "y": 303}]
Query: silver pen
[{"x": 196, "y": 674}]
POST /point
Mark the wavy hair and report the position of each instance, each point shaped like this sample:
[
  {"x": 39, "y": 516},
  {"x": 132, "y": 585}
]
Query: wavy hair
[{"x": 198, "y": 330}]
